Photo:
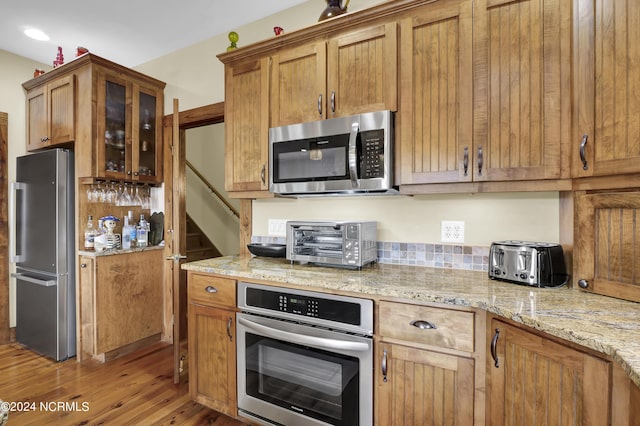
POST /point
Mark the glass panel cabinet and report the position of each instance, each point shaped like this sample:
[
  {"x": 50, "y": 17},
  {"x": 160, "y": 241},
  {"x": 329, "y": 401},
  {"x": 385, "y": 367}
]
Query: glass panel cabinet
[{"x": 128, "y": 141}]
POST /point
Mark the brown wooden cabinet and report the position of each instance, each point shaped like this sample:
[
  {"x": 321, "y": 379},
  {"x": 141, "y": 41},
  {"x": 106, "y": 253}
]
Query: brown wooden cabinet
[
  {"x": 349, "y": 73},
  {"x": 128, "y": 125},
  {"x": 247, "y": 128},
  {"x": 425, "y": 372},
  {"x": 607, "y": 90},
  {"x": 436, "y": 94},
  {"x": 119, "y": 303},
  {"x": 111, "y": 114},
  {"x": 51, "y": 114},
  {"x": 212, "y": 341},
  {"x": 532, "y": 379},
  {"x": 607, "y": 243},
  {"x": 521, "y": 90}
]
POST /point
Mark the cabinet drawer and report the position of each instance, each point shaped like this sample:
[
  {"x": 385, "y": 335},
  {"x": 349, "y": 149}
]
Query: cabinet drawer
[
  {"x": 205, "y": 289},
  {"x": 453, "y": 329}
]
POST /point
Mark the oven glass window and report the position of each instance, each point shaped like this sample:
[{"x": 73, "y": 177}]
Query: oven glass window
[
  {"x": 311, "y": 159},
  {"x": 309, "y": 381}
]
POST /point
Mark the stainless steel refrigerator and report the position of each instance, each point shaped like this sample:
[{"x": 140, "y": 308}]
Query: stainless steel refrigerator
[{"x": 43, "y": 250}]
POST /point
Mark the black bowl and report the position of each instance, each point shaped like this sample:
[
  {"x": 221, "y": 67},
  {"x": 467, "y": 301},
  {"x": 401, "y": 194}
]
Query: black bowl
[{"x": 267, "y": 249}]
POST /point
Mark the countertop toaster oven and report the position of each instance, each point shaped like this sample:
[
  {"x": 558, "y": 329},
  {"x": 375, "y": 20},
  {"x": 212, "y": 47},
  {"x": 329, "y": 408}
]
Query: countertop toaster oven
[{"x": 530, "y": 263}]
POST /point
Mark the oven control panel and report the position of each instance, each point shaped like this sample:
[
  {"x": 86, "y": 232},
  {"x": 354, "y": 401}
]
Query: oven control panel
[{"x": 304, "y": 305}]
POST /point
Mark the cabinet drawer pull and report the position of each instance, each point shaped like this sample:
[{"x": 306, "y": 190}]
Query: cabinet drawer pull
[
  {"x": 494, "y": 344},
  {"x": 210, "y": 289},
  {"x": 423, "y": 325},
  {"x": 384, "y": 366},
  {"x": 583, "y": 155}
]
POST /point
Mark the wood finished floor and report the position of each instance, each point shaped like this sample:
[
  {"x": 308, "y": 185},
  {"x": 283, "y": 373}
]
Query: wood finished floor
[{"x": 136, "y": 389}]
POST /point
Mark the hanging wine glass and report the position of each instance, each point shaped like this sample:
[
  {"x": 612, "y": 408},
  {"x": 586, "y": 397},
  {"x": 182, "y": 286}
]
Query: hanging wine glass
[
  {"x": 146, "y": 198},
  {"x": 120, "y": 196},
  {"x": 126, "y": 198},
  {"x": 111, "y": 194},
  {"x": 90, "y": 190},
  {"x": 137, "y": 201}
]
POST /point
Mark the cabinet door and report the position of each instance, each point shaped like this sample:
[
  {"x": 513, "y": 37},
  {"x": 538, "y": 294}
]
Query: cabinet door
[
  {"x": 85, "y": 306},
  {"x": 422, "y": 387},
  {"x": 247, "y": 126},
  {"x": 128, "y": 298},
  {"x": 522, "y": 89},
  {"x": 113, "y": 153},
  {"x": 212, "y": 358},
  {"x": 298, "y": 84},
  {"x": 50, "y": 114},
  {"x": 146, "y": 152},
  {"x": 608, "y": 244},
  {"x": 607, "y": 46},
  {"x": 436, "y": 98},
  {"x": 538, "y": 381},
  {"x": 362, "y": 71}
]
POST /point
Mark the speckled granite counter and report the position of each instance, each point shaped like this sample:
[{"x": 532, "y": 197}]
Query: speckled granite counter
[{"x": 605, "y": 324}]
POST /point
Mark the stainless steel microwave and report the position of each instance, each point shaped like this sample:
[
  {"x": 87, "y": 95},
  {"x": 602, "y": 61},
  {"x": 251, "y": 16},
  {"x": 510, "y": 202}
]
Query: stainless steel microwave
[{"x": 351, "y": 154}]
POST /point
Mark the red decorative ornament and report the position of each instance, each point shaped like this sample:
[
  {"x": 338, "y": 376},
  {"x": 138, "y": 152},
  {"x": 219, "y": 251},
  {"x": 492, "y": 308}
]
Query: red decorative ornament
[
  {"x": 278, "y": 30},
  {"x": 59, "y": 58}
]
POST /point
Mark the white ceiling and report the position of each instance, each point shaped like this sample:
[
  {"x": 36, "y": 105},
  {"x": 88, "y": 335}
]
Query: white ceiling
[{"x": 128, "y": 32}]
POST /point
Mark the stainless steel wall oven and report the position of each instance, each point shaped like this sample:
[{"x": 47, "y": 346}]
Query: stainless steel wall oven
[{"x": 304, "y": 358}]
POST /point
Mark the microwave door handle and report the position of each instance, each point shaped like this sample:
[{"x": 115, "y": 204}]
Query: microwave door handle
[
  {"x": 318, "y": 342},
  {"x": 353, "y": 154}
]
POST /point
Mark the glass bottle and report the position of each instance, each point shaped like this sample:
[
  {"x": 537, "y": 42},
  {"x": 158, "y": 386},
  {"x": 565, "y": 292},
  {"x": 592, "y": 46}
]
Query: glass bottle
[
  {"x": 126, "y": 234},
  {"x": 89, "y": 235},
  {"x": 133, "y": 235},
  {"x": 100, "y": 242},
  {"x": 142, "y": 231}
]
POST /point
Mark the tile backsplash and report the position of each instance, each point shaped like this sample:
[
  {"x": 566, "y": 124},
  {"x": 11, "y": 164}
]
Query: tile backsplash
[{"x": 450, "y": 256}]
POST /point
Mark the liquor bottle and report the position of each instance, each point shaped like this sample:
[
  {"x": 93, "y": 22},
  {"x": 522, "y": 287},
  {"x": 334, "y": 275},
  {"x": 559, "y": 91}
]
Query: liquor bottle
[
  {"x": 126, "y": 234},
  {"x": 142, "y": 231},
  {"x": 133, "y": 236},
  {"x": 100, "y": 241},
  {"x": 89, "y": 235}
]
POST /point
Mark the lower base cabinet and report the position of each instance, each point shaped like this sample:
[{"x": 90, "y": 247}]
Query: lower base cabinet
[
  {"x": 212, "y": 342},
  {"x": 423, "y": 387},
  {"x": 532, "y": 379}
]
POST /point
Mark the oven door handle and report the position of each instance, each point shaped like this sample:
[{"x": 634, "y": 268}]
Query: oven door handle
[{"x": 318, "y": 342}]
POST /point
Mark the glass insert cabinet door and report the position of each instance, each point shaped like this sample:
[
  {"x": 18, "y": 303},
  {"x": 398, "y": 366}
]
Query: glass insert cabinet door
[{"x": 129, "y": 136}]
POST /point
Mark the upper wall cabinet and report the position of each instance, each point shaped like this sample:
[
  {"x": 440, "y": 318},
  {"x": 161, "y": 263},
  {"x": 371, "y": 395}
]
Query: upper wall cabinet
[
  {"x": 521, "y": 89},
  {"x": 247, "y": 128},
  {"x": 128, "y": 119},
  {"x": 350, "y": 73},
  {"x": 436, "y": 94},
  {"x": 112, "y": 115},
  {"x": 50, "y": 114},
  {"x": 606, "y": 139}
]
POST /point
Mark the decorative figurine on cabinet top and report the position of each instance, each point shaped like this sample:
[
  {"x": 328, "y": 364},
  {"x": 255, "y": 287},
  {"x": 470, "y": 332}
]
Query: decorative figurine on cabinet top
[
  {"x": 333, "y": 9},
  {"x": 59, "y": 58},
  {"x": 233, "y": 38},
  {"x": 278, "y": 30}
]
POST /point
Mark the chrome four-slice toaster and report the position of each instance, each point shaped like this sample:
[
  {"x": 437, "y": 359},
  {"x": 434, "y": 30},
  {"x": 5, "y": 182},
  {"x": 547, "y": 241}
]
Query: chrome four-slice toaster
[{"x": 531, "y": 263}]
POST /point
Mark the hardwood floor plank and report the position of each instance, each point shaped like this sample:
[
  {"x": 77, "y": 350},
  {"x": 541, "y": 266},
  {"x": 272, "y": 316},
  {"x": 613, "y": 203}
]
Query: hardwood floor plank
[{"x": 136, "y": 389}]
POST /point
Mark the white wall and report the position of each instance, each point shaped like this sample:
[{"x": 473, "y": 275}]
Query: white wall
[{"x": 205, "y": 150}]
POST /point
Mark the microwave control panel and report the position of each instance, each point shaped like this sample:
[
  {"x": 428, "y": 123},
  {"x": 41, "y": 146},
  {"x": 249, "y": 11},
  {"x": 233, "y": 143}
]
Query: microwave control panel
[{"x": 372, "y": 157}]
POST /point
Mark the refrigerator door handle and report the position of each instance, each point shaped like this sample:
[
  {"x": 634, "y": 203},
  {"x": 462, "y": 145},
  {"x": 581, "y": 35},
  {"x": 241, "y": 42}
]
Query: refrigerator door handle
[
  {"x": 13, "y": 232},
  {"x": 44, "y": 283}
]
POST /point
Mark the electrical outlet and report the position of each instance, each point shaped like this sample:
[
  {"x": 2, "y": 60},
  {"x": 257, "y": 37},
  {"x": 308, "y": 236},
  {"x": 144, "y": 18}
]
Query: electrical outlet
[
  {"x": 277, "y": 227},
  {"x": 452, "y": 231}
]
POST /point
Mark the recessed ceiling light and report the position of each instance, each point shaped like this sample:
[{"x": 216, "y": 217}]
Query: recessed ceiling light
[{"x": 36, "y": 34}]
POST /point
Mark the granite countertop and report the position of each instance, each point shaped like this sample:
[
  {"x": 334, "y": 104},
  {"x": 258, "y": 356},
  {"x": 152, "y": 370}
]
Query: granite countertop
[
  {"x": 607, "y": 325},
  {"x": 117, "y": 251}
]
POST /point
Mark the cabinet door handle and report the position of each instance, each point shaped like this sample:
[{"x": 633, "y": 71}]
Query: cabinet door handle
[
  {"x": 494, "y": 349},
  {"x": 480, "y": 160},
  {"x": 44, "y": 138},
  {"x": 229, "y": 322},
  {"x": 384, "y": 366},
  {"x": 333, "y": 101},
  {"x": 584, "y": 284},
  {"x": 320, "y": 104},
  {"x": 210, "y": 289},
  {"x": 583, "y": 155},
  {"x": 83, "y": 265},
  {"x": 465, "y": 160},
  {"x": 423, "y": 325},
  {"x": 262, "y": 173}
]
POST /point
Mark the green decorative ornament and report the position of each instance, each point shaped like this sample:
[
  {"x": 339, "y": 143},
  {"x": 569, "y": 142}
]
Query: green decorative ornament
[{"x": 233, "y": 38}]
